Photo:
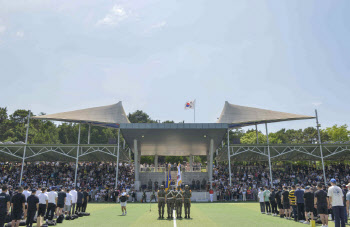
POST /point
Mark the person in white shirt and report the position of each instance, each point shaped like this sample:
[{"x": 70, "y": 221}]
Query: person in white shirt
[
  {"x": 43, "y": 202},
  {"x": 51, "y": 207},
  {"x": 74, "y": 195},
  {"x": 68, "y": 204},
  {"x": 26, "y": 193},
  {"x": 261, "y": 200},
  {"x": 38, "y": 191},
  {"x": 336, "y": 196}
]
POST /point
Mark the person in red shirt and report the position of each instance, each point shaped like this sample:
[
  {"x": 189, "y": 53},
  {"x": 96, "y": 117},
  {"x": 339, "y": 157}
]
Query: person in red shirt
[{"x": 211, "y": 194}]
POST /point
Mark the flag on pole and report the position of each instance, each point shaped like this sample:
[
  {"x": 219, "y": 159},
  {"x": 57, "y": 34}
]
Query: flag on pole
[
  {"x": 179, "y": 180},
  {"x": 190, "y": 105},
  {"x": 168, "y": 178}
]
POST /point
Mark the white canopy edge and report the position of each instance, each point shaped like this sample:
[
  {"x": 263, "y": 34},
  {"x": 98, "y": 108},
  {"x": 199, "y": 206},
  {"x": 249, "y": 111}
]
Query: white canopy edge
[
  {"x": 239, "y": 116},
  {"x": 104, "y": 115}
]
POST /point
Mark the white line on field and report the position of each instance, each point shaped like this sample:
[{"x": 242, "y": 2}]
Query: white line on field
[{"x": 174, "y": 218}]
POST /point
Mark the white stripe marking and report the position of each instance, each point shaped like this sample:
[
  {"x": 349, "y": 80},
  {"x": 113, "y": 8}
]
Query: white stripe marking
[{"x": 174, "y": 218}]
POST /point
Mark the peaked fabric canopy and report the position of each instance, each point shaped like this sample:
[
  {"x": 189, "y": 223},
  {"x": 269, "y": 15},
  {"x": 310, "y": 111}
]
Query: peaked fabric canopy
[
  {"x": 110, "y": 116},
  {"x": 238, "y": 116}
]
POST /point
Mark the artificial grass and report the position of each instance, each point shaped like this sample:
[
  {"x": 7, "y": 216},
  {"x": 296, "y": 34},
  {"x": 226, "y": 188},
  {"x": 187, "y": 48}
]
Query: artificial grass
[{"x": 202, "y": 214}]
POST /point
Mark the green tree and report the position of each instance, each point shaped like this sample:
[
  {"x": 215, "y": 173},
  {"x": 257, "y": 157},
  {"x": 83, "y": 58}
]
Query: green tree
[
  {"x": 338, "y": 133},
  {"x": 250, "y": 137},
  {"x": 140, "y": 117}
]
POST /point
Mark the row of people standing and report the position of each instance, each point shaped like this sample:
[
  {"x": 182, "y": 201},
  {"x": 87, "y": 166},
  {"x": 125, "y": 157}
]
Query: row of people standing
[
  {"x": 308, "y": 203},
  {"x": 39, "y": 204}
]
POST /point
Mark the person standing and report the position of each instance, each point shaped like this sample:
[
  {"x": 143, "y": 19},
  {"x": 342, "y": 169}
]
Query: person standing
[
  {"x": 279, "y": 201},
  {"x": 43, "y": 203},
  {"x": 123, "y": 197},
  {"x": 321, "y": 202},
  {"x": 267, "y": 200},
  {"x": 32, "y": 208},
  {"x": 26, "y": 193},
  {"x": 51, "y": 207},
  {"x": 348, "y": 199},
  {"x": 86, "y": 199},
  {"x": 187, "y": 201},
  {"x": 211, "y": 194},
  {"x": 293, "y": 203},
  {"x": 286, "y": 202},
  {"x": 4, "y": 205},
  {"x": 80, "y": 200},
  {"x": 74, "y": 199},
  {"x": 178, "y": 202},
  {"x": 17, "y": 207},
  {"x": 68, "y": 204},
  {"x": 170, "y": 197},
  {"x": 299, "y": 194},
  {"x": 335, "y": 195},
  {"x": 61, "y": 200},
  {"x": 161, "y": 201},
  {"x": 309, "y": 204},
  {"x": 273, "y": 202},
  {"x": 261, "y": 200}
]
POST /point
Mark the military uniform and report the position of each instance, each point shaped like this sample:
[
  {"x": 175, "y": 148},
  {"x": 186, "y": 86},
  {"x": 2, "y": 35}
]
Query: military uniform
[
  {"x": 161, "y": 201},
  {"x": 144, "y": 197},
  {"x": 153, "y": 197},
  {"x": 170, "y": 199},
  {"x": 187, "y": 201},
  {"x": 178, "y": 203}
]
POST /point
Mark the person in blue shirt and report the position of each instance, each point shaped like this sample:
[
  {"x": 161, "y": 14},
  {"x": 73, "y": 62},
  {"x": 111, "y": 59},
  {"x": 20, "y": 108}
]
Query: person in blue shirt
[{"x": 299, "y": 194}]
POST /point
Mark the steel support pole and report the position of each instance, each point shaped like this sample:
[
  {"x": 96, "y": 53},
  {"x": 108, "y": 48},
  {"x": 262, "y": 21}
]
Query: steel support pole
[
  {"x": 228, "y": 154},
  {"x": 76, "y": 160},
  {"x": 211, "y": 156},
  {"x": 156, "y": 163},
  {"x": 129, "y": 155},
  {"x": 257, "y": 134},
  {"x": 25, "y": 148},
  {"x": 268, "y": 151},
  {"x": 117, "y": 169},
  {"x": 320, "y": 142},
  {"x": 89, "y": 133},
  {"x": 191, "y": 163}
]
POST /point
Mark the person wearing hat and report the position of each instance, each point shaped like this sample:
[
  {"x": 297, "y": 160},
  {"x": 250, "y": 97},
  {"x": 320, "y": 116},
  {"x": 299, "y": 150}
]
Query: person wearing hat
[
  {"x": 32, "y": 207},
  {"x": 309, "y": 204},
  {"x": 335, "y": 195},
  {"x": 161, "y": 201},
  {"x": 123, "y": 197}
]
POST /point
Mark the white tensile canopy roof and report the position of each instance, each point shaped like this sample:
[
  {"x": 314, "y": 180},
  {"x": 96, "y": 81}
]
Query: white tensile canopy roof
[
  {"x": 108, "y": 116},
  {"x": 239, "y": 116}
]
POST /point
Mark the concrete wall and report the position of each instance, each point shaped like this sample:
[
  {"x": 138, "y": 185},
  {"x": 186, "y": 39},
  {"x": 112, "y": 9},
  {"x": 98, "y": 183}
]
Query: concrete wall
[{"x": 145, "y": 176}]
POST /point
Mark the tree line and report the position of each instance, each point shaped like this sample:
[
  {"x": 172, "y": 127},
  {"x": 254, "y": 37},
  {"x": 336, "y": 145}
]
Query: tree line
[{"x": 12, "y": 128}]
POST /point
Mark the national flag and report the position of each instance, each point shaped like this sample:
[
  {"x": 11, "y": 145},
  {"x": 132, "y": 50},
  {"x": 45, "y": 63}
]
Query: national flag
[
  {"x": 179, "y": 179},
  {"x": 190, "y": 105},
  {"x": 168, "y": 178}
]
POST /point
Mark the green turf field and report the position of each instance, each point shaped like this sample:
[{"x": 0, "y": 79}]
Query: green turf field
[{"x": 202, "y": 214}]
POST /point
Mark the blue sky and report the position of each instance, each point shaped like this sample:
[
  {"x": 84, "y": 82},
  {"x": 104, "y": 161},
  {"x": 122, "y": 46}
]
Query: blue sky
[{"x": 155, "y": 55}]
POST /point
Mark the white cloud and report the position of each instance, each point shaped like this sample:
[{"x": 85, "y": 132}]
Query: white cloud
[
  {"x": 115, "y": 16},
  {"x": 159, "y": 25},
  {"x": 20, "y": 34}
]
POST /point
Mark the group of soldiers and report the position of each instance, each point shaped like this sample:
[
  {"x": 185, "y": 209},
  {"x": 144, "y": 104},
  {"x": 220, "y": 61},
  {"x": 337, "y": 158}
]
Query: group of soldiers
[{"x": 174, "y": 200}]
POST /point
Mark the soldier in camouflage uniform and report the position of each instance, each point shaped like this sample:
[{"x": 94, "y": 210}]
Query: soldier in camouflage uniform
[
  {"x": 187, "y": 201},
  {"x": 161, "y": 201},
  {"x": 178, "y": 202},
  {"x": 153, "y": 197},
  {"x": 170, "y": 199}
]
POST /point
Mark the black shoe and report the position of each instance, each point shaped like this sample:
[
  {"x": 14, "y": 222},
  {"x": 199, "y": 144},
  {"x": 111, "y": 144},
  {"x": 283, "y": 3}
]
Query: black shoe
[
  {"x": 188, "y": 216},
  {"x": 162, "y": 217}
]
